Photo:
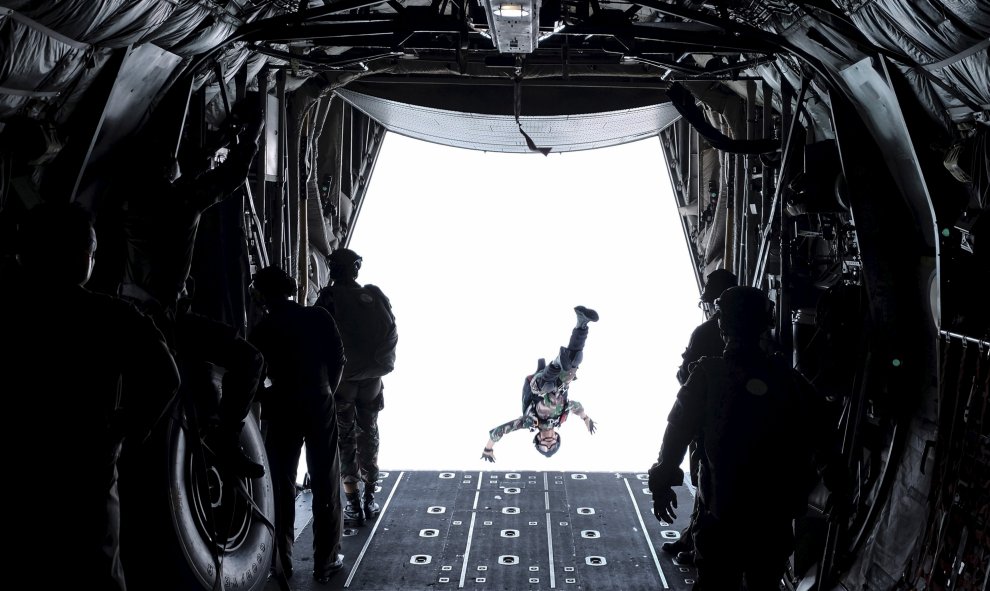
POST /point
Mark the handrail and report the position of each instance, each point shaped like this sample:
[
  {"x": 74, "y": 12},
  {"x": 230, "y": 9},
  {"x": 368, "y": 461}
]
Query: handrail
[{"x": 785, "y": 161}]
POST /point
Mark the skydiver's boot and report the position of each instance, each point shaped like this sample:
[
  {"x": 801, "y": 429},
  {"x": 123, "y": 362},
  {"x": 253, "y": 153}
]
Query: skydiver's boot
[
  {"x": 584, "y": 316},
  {"x": 226, "y": 444},
  {"x": 571, "y": 356},
  {"x": 353, "y": 511},
  {"x": 371, "y": 508}
]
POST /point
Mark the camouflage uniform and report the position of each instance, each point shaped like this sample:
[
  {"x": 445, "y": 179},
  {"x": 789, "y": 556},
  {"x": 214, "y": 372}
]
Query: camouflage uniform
[
  {"x": 544, "y": 396},
  {"x": 545, "y": 415},
  {"x": 358, "y": 401},
  {"x": 358, "y": 404}
]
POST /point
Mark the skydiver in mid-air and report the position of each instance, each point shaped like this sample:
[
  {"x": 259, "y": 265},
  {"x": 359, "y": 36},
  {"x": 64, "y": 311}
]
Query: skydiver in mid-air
[{"x": 545, "y": 405}]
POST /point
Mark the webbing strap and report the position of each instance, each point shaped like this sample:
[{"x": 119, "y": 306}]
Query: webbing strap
[
  {"x": 517, "y": 109},
  {"x": 959, "y": 56},
  {"x": 28, "y": 93}
]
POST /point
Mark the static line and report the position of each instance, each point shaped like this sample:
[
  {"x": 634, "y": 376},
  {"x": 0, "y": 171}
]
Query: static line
[
  {"x": 546, "y": 501},
  {"x": 646, "y": 533},
  {"x": 474, "y": 513},
  {"x": 367, "y": 542}
]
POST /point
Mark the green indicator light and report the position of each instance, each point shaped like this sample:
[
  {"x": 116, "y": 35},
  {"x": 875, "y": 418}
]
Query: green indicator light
[
  {"x": 896, "y": 362},
  {"x": 945, "y": 232}
]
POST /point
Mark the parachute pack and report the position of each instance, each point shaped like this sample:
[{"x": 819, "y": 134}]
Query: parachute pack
[
  {"x": 367, "y": 328},
  {"x": 530, "y": 398}
]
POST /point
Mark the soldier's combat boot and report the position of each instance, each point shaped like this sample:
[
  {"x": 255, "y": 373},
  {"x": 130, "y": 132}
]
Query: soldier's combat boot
[
  {"x": 325, "y": 569},
  {"x": 371, "y": 508},
  {"x": 685, "y": 558},
  {"x": 584, "y": 316},
  {"x": 676, "y": 547},
  {"x": 353, "y": 512}
]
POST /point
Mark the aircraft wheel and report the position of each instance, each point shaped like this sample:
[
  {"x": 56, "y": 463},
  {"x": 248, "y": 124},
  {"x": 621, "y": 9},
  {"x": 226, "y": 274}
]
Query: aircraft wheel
[{"x": 221, "y": 523}]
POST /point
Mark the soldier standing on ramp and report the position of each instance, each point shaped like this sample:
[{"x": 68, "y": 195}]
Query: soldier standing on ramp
[{"x": 367, "y": 326}]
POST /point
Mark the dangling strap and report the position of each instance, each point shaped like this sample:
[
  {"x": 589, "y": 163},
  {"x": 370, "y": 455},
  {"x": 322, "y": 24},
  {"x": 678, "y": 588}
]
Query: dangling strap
[{"x": 517, "y": 109}]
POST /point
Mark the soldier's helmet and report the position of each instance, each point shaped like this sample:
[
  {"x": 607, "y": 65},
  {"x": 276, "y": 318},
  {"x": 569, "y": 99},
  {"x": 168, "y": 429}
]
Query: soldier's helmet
[
  {"x": 744, "y": 312},
  {"x": 344, "y": 263},
  {"x": 718, "y": 281},
  {"x": 546, "y": 451},
  {"x": 274, "y": 283}
]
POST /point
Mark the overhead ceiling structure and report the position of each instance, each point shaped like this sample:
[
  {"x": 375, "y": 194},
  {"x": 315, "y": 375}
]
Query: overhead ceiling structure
[
  {"x": 831, "y": 152},
  {"x": 500, "y": 133}
]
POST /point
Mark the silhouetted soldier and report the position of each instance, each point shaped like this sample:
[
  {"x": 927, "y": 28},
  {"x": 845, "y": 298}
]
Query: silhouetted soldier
[
  {"x": 161, "y": 219},
  {"x": 160, "y": 226},
  {"x": 305, "y": 358},
  {"x": 200, "y": 343},
  {"x": 705, "y": 341},
  {"x": 82, "y": 372},
  {"x": 544, "y": 397},
  {"x": 367, "y": 326},
  {"x": 747, "y": 409}
]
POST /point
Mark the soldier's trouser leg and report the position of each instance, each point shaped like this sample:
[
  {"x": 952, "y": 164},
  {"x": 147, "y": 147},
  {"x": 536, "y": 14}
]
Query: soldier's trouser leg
[
  {"x": 718, "y": 559},
  {"x": 687, "y": 534},
  {"x": 571, "y": 356},
  {"x": 324, "y": 473},
  {"x": 283, "y": 444},
  {"x": 727, "y": 554},
  {"x": 767, "y": 561},
  {"x": 367, "y": 432},
  {"x": 345, "y": 399}
]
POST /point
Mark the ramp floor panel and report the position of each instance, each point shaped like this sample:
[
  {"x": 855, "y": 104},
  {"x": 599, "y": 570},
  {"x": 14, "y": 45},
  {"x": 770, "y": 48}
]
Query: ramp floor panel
[{"x": 507, "y": 531}]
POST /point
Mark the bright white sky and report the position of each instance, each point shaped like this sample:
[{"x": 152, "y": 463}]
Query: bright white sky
[{"x": 484, "y": 256}]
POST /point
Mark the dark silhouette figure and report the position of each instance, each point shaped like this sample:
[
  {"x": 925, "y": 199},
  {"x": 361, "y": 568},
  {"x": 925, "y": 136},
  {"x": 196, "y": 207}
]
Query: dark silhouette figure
[
  {"x": 160, "y": 227},
  {"x": 304, "y": 359},
  {"x": 161, "y": 221},
  {"x": 544, "y": 397},
  {"x": 745, "y": 408},
  {"x": 361, "y": 394},
  {"x": 220, "y": 373},
  {"x": 705, "y": 341},
  {"x": 83, "y": 372},
  {"x": 205, "y": 347}
]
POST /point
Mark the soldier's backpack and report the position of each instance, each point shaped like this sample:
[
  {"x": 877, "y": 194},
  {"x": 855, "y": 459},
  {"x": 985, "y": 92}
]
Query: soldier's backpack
[
  {"x": 367, "y": 328},
  {"x": 530, "y": 399}
]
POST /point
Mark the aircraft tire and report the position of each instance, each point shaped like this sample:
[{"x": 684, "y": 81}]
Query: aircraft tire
[
  {"x": 183, "y": 521},
  {"x": 221, "y": 524}
]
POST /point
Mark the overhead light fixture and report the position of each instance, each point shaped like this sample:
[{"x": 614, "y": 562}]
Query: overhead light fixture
[
  {"x": 514, "y": 25},
  {"x": 511, "y": 10}
]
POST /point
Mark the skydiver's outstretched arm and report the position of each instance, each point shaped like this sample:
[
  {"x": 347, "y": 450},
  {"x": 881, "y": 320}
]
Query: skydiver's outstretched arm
[
  {"x": 577, "y": 408},
  {"x": 489, "y": 454},
  {"x": 498, "y": 432}
]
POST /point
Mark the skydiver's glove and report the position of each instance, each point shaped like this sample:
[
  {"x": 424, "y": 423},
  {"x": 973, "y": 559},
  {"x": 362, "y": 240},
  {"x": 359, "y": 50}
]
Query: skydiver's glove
[
  {"x": 661, "y": 482},
  {"x": 664, "y": 503},
  {"x": 590, "y": 424},
  {"x": 488, "y": 455}
]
